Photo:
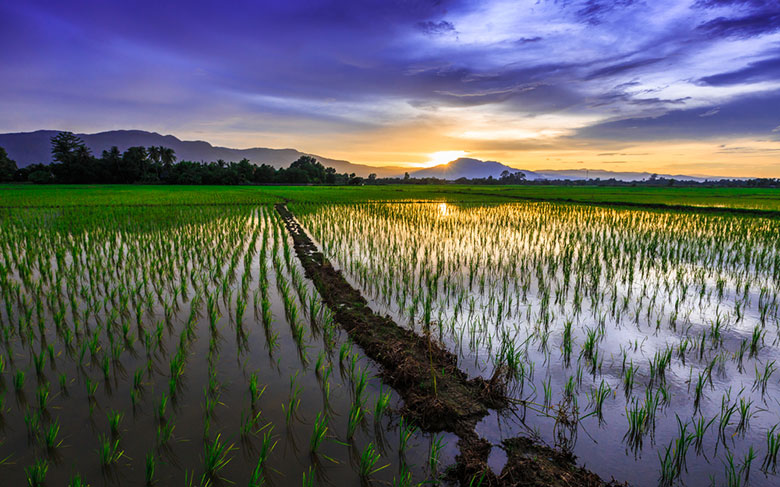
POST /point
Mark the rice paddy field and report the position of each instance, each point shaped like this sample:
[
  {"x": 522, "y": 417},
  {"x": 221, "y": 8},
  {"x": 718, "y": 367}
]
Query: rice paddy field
[
  {"x": 753, "y": 199},
  {"x": 170, "y": 336}
]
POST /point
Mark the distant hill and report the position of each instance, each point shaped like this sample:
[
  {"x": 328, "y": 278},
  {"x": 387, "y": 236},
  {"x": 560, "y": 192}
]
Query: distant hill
[
  {"x": 466, "y": 167},
  {"x": 33, "y": 147},
  {"x": 579, "y": 174},
  {"x": 474, "y": 168}
]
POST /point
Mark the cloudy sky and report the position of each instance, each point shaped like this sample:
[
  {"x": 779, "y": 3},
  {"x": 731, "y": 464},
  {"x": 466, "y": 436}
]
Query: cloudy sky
[{"x": 680, "y": 86}]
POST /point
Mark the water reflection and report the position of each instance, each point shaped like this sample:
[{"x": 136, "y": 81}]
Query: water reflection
[{"x": 615, "y": 322}]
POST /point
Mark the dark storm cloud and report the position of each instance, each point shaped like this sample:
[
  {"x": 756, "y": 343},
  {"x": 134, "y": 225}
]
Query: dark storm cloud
[
  {"x": 742, "y": 27},
  {"x": 527, "y": 40},
  {"x": 593, "y": 11},
  {"x": 623, "y": 67},
  {"x": 765, "y": 70},
  {"x": 757, "y": 4},
  {"x": 750, "y": 115},
  {"x": 436, "y": 28},
  {"x": 746, "y": 18}
]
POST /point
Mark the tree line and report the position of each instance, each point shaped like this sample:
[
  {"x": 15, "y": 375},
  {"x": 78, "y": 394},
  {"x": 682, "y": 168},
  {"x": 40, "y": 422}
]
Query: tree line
[{"x": 74, "y": 163}]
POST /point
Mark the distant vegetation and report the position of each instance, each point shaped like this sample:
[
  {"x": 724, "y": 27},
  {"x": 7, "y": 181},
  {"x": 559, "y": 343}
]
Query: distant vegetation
[
  {"x": 7, "y": 167},
  {"x": 73, "y": 163}
]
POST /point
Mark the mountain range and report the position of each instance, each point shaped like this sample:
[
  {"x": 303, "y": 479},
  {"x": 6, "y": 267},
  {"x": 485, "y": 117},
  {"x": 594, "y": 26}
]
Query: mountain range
[
  {"x": 466, "y": 167},
  {"x": 34, "y": 147}
]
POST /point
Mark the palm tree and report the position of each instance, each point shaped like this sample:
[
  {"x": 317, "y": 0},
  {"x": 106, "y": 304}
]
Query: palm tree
[
  {"x": 154, "y": 154},
  {"x": 167, "y": 156},
  {"x": 154, "y": 157}
]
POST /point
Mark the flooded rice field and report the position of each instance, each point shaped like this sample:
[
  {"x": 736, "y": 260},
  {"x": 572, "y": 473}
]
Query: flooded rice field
[
  {"x": 187, "y": 346},
  {"x": 183, "y": 346},
  {"x": 644, "y": 342}
]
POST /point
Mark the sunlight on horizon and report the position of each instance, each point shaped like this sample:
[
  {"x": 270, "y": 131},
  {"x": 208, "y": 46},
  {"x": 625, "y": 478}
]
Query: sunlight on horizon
[{"x": 443, "y": 157}]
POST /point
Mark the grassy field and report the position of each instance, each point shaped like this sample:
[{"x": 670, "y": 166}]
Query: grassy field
[{"x": 100, "y": 195}]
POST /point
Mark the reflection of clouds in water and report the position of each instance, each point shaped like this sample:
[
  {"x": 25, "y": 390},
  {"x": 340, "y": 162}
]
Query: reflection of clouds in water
[{"x": 500, "y": 275}]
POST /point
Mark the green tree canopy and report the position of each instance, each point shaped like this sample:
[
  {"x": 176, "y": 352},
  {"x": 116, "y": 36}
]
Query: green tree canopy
[{"x": 7, "y": 167}]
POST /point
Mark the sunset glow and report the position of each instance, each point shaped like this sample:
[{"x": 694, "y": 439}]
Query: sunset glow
[{"x": 443, "y": 157}]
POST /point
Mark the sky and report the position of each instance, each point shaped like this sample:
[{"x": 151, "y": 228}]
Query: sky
[{"x": 668, "y": 86}]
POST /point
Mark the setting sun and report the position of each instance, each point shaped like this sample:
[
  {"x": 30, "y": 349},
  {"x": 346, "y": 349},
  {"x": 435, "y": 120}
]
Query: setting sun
[{"x": 443, "y": 157}]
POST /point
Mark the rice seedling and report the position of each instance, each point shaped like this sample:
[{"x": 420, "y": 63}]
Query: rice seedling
[
  {"x": 755, "y": 340},
  {"x": 77, "y": 481},
  {"x": 40, "y": 363},
  {"x": 772, "y": 448},
  {"x": 216, "y": 456},
  {"x": 354, "y": 419},
  {"x": 254, "y": 391},
  {"x": 294, "y": 401},
  {"x": 368, "y": 460},
  {"x": 638, "y": 419},
  {"x": 134, "y": 397},
  {"x": 599, "y": 396},
  {"x": 19, "y": 380},
  {"x": 63, "y": 381},
  {"x": 318, "y": 433},
  {"x": 50, "y": 435},
  {"x": 382, "y": 403},
  {"x": 32, "y": 419},
  {"x": 405, "y": 431},
  {"x": 566, "y": 347},
  {"x": 404, "y": 478},
  {"x": 733, "y": 477},
  {"x": 267, "y": 446},
  {"x": 307, "y": 479},
  {"x": 161, "y": 407},
  {"x": 43, "y": 396},
  {"x": 344, "y": 352},
  {"x": 747, "y": 462},
  {"x": 700, "y": 429},
  {"x": 547, "y": 386},
  {"x": 114, "y": 419},
  {"x": 359, "y": 388},
  {"x": 109, "y": 451},
  {"x": 762, "y": 379},
  {"x": 151, "y": 467},
  {"x": 257, "y": 479},
  {"x": 36, "y": 473},
  {"x": 164, "y": 432},
  {"x": 744, "y": 415},
  {"x": 91, "y": 387},
  {"x": 629, "y": 377},
  {"x": 434, "y": 454}
]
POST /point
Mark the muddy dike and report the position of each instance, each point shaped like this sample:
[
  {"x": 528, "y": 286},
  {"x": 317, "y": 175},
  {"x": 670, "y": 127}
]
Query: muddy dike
[{"x": 437, "y": 395}]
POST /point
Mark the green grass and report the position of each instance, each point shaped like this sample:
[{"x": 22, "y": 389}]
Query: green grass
[{"x": 102, "y": 195}]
